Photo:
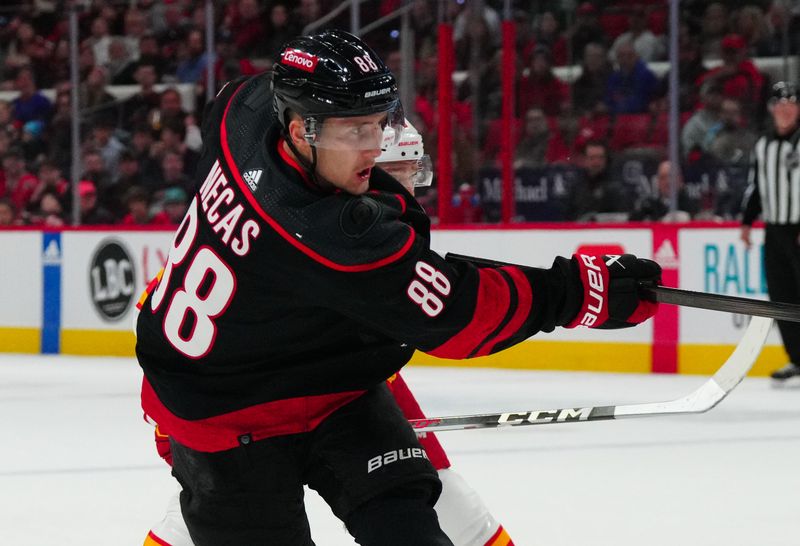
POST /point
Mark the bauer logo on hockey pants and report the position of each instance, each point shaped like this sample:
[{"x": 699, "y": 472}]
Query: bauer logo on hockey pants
[{"x": 395, "y": 455}]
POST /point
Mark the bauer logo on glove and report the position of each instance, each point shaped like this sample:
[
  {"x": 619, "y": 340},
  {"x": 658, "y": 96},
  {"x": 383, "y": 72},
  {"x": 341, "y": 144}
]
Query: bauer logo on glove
[{"x": 610, "y": 286}]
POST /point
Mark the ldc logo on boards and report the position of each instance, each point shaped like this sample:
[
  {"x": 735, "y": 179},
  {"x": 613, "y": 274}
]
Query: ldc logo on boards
[{"x": 111, "y": 280}]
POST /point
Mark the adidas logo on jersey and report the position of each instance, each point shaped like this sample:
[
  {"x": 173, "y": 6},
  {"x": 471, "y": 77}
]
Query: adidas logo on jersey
[{"x": 252, "y": 177}]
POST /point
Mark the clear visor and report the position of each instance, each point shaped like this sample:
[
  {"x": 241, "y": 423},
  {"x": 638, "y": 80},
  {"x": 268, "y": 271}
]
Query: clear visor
[
  {"x": 356, "y": 133},
  {"x": 411, "y": 173}
]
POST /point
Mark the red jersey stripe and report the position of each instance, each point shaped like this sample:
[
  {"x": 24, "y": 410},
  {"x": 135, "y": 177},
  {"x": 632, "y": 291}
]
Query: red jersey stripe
[
  {"x": 494, "y": 297},
  {"x": 521, "y": 313},
  {"x": 500, "y": 538},
  {"x": 220, "y": 432},
  {"x": 153, "y": 540},
  {"x": 282, "y": 232}
]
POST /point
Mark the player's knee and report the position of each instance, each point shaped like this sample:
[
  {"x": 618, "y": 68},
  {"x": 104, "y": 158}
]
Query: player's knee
[{"x": 384, "y": 520}]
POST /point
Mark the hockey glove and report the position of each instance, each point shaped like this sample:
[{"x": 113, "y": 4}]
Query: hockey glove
[{"x": 610, "y": 290}]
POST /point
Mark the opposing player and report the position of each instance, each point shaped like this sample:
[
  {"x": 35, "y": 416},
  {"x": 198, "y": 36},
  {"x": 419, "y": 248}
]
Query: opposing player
[{"x": 300, "y": 280}]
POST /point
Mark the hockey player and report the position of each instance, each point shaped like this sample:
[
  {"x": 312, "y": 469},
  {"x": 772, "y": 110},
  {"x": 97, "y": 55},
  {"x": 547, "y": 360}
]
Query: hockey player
[
  {"x": 300, "y": 280},
  {"x": 462, "y": 514}
]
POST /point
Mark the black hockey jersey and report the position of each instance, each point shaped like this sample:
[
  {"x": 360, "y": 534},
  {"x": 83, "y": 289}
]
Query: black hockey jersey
[{"x": 280, "y": 302}]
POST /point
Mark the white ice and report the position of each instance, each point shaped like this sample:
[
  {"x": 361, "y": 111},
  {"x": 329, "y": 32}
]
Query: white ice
[{"x": 78, "y": 466}]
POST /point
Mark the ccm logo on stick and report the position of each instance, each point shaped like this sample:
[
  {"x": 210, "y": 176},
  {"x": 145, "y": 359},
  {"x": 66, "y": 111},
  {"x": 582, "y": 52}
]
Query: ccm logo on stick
[
  {"x": 300, "y": 59},
  {"x": 594, "y": 294},
  {"x": 546, "y": 416}
]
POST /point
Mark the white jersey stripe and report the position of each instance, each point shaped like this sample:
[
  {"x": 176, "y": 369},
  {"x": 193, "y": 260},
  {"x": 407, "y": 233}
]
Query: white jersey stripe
[{"x": 782, "y": 183}]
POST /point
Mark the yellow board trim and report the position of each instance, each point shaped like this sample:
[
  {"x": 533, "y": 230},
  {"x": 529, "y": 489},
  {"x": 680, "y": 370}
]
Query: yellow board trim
[
  {"x": 20, "y": 340},
  {"x": 706, "y": 359},
  {"x": 98, "y": 342},
  {"x": 558, "y": 355}
]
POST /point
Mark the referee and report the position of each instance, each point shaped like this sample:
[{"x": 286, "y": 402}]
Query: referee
[{"x": 774, "y": 193}]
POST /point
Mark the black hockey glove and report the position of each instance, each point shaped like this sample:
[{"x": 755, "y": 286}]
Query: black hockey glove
[{"x": 605, "y": 289}]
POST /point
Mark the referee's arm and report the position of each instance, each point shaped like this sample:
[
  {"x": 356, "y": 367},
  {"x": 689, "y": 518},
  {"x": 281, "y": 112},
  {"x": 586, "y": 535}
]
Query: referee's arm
[{"x": 752, "y": 201}]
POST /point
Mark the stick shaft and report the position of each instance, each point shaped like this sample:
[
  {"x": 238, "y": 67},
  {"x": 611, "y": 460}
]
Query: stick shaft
[{"x": 688, "y": 298}]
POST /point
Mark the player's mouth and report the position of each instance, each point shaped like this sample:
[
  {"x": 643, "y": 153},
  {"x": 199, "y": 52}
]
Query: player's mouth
[{"x": 363, "y": 174}]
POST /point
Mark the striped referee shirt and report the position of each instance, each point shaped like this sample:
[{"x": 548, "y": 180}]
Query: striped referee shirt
[{"x": 774, "y": 180}]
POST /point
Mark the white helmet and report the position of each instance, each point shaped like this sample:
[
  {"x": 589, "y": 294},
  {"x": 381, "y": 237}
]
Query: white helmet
[{"x": 408, "y": 148}]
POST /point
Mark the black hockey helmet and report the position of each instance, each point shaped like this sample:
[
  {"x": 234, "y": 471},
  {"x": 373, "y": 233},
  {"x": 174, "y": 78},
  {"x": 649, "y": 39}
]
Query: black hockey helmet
[
  {"x": 333, "y": 74},
  {"x": 784, "y": 91}
]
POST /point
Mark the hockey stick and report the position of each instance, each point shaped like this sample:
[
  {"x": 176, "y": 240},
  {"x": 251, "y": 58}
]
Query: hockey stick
[
  {"x": 688, "y": 298},
  {"x": 708, "y": 395}
]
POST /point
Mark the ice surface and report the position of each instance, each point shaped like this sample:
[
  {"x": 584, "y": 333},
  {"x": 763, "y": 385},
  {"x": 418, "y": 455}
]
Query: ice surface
[{"x": 78, "y": 465}]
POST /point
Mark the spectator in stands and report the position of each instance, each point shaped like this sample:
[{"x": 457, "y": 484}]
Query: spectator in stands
[
  {"x": 280, "y": 29},
  {"x": 229, "y": 65},
  {"x": 714, "y": 29},
  {"x": 135, "y": 27},
  {"x": 243, "y": 20},
  {"x": 99, "y": 40},
  {"x": 51, "y": 180},
  {"x": 751, "y": 25},
  {"x": 6, "y": 115},
  {"x": 150, "y": 54},
  {"x": 540, "y": 88},
  {"x": 173, "y": 174},
  {"x": 47, "y": 210},
  {"x": 170, "y": 35},
  {"x": 307, "y": 12},
  {"x": 476, "y": 46},
  {"x": 60, "y": 132},
  {"x": 26, "y": 49},
  {"x": 135, "y": 110},
  {"x": 16, "y": 182},
  {"x": 8, "y": 215},
  {"x": 170, "y": 107},
  {"x": 94, "y": 98},
  {"x": 631, "y": 87},
  {"x": 478, "y": 10},
  {"x": 174, "y": 204},
  {"x": 731, "y": 141},
  {"x": 128, "y": 176},
  {"x": 539, "y": 144},
  {"x": 137, "y": 201},
  {"x": 547, "y": 33},
  {"x": 691, "y": 67},
  {"x": 423, "y": 21},
  {"x": 695, "y": 133},
  {"x": 121, "y": 64},
  {"x": 91, "y": 213},
  {"x": 30, "y": 104},
  {"x": 586, "y": 30},
  {"x": 656, "y": 207},
  {"x": 94, "y": 170},
  {"x": 648, "y": 46},
  {"x": 173, "y": 139},
  {"x": 738, "y": 75},
  {"x": 588, "y": 90},
  {"x": 193, "y": 58},
  {"x": 597, "y": 192},
  {"x": 32, "y": 141},
  {"x": 106, "y": 143},
  {"x": 142, "y": 149}
]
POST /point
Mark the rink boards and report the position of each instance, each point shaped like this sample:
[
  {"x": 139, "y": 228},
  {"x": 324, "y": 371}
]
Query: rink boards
[{"x": 74, "y": 292}]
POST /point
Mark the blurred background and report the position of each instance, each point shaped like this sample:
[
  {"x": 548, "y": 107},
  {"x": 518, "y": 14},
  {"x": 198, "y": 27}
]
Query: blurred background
[{"x": 533, "y": 110}]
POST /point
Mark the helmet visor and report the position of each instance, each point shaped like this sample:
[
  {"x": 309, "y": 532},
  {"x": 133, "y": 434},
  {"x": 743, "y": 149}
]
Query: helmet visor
[{"x": 354, "y": 133}]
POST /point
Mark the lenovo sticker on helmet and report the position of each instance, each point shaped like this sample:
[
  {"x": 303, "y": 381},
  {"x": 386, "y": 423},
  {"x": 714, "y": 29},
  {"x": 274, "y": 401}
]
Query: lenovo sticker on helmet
[{"x": 299, "y": 59}]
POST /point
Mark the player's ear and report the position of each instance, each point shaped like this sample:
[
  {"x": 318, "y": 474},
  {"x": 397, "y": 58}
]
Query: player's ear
[{"x": 297, "y": 131}]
